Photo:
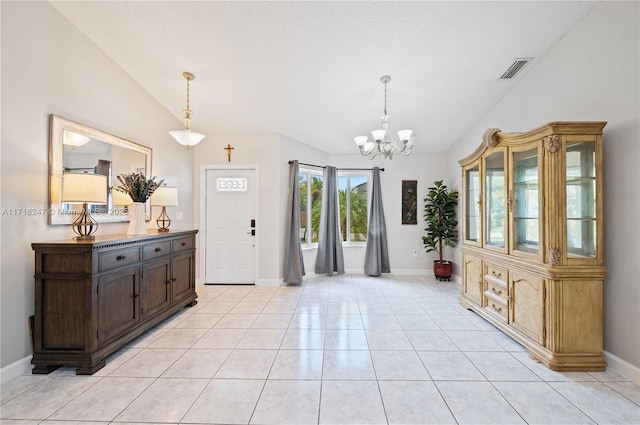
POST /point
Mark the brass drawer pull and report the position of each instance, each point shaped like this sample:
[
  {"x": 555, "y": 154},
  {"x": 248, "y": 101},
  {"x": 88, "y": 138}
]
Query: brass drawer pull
[
  {"x": 498, "y": 309},
  {"x": 498, "y": 292},
  {"x": 121, "y": 257}
]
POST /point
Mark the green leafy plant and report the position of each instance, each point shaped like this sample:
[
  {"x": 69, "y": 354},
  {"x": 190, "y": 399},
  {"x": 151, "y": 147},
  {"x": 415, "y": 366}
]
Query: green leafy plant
[
  {"x": 137, "y": 186},
  {"x": 440, "y": 215}
]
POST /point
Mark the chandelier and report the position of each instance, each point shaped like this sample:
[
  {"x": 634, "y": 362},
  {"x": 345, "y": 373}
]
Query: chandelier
[
  {"x": 384, "y": 143},
  {"x": 187, "y": 137}
]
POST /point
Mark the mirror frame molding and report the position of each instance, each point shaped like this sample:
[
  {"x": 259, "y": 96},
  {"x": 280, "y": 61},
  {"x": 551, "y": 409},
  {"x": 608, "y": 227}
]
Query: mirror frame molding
[{"x": 57, "y": 126}]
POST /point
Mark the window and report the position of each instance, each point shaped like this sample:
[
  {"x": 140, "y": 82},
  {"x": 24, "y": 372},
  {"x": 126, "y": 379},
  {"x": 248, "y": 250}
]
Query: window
[
  {"x": 310, "y": 203},
  {"x": 353, "y": 204},
  {"x": 231, "y": 184},
  {"x": 354, "y": 210}
]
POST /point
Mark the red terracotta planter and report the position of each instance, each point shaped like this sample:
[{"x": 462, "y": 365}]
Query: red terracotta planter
[{"x": 442, "y": 269}]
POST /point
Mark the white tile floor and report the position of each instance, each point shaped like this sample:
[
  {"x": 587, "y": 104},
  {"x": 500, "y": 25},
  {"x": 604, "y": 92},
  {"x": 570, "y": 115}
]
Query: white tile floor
[{"x": 336, "y": 350}]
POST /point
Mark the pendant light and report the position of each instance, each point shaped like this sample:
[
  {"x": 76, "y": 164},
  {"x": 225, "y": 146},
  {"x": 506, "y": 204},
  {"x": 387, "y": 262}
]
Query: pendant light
[{"x": 187, "y": 137}]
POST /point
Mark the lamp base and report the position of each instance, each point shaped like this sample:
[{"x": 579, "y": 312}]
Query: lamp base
[
  {"x": 163, "y": 221},
  {"x": 85, "y": 226}
]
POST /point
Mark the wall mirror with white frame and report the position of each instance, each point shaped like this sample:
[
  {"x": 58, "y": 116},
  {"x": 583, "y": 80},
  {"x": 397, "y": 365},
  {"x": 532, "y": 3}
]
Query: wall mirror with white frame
[{"x": 78, "y": 148}]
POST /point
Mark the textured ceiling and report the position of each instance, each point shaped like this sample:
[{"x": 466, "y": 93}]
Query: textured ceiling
[{"x": 311, "y": 70}]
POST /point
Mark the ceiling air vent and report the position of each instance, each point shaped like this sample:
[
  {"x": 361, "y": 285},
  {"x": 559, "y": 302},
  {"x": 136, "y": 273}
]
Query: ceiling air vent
[{"x": 515, "y": 67}]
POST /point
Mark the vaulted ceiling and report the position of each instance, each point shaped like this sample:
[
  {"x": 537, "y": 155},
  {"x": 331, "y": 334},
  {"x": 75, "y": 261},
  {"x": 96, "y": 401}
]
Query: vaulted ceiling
[{"x": 310, "y": 70}]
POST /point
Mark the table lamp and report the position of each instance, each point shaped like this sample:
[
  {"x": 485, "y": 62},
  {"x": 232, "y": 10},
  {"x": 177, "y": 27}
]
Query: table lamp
[
  {"x": 165, "y": 196},
  {"x": 85, "y": 189}
]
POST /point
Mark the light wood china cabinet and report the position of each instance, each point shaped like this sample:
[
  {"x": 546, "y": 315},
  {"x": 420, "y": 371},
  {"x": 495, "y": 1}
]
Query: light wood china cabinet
[{"x": 532, "y": 240}]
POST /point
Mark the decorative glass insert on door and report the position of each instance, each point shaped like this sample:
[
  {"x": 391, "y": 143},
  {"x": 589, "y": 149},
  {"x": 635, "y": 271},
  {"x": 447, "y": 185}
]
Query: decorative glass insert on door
[
  {"x": 472, "y": 207},
  {"x": 581, "y": 199},
  {"x": 495, "y": 197},
  {"x": 526, "y": 200},
  {"x": 231, "y": 184}
]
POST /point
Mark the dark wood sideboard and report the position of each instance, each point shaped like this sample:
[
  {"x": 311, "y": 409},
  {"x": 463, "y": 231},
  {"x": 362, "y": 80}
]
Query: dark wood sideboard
[{"x": 93, "y": 297}]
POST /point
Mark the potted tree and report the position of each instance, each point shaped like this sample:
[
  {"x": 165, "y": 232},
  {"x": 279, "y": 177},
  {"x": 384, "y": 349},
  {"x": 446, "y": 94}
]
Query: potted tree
[{"x": 440, "y": 215}]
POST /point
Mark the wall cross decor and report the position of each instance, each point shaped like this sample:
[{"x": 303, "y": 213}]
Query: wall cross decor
[{"x": 228, "y": 148}]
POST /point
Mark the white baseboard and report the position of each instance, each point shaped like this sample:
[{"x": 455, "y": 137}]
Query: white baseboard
[
  {"x": 15, "y": 369},
  {"x": 270, "y": 283},
  {"x": 407, "y": 272},
  {"x": 622, "y": 367}
]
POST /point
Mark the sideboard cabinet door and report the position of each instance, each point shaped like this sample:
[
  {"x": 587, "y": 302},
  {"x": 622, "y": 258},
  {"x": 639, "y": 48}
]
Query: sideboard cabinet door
[{"x": 118, "y": 304}]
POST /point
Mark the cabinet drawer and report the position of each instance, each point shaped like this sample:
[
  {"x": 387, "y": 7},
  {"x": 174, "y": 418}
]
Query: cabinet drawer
[
  {"x": 108, "y": 260},
  {"x": 498, "y": 273},
  {"x": 182, "y": 244},
  {"x": 496, "y": 288},
  {"x": 154, "y": 250},
  {"x": 496, "y": 306}
]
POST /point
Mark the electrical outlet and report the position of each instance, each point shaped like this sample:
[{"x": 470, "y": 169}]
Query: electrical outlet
[{"x": 415, "y": 253}]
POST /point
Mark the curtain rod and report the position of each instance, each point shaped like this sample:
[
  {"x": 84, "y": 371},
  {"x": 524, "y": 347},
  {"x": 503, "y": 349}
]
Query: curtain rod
[{"x": 344, "y": 169}]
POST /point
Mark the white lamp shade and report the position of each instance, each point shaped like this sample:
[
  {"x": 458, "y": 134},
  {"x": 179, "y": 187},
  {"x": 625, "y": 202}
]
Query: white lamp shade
[
  {"x": 120, "y": 198},
  {"x": 360, "y": 141},
  {"x": 405, "y": 135},
  {"x": 187, "y": 137},
  {"x": 166, "y": 196},
  {"x": 84, "y": 187},
  {"x": 378, "y": 134},
  {"x": 74, "y": 139}
]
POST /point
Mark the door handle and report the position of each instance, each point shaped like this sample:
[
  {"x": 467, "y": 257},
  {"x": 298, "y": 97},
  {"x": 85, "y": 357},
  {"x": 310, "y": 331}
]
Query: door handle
[{"x": 252, "y": 232}]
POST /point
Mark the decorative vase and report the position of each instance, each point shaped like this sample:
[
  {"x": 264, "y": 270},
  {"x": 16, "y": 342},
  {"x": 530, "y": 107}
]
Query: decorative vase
[{"x": 137, "y": 225}]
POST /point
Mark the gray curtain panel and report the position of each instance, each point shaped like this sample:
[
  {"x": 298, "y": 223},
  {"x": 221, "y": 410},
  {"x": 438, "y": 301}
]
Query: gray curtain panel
[
  {"x": 293, "y": 261},
  {"x": 376, "y": 260},
  {"x": 330, "y": 258}
]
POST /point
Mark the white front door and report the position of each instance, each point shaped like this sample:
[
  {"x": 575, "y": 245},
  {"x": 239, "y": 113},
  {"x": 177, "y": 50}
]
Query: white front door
[{"x": 230, "y": 226}]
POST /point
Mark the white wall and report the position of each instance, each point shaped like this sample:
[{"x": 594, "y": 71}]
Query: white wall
[
  {"x": 49, "y": 67},
  {"x": 592, "y": 74}
]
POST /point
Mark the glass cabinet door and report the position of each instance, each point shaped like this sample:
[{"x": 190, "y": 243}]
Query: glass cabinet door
[
  {"x": 472, "y": 204},
  {"x": 581, "y": 199},
  {"x": 495, "y": 200},
  {"x": 526, "y": 213}
]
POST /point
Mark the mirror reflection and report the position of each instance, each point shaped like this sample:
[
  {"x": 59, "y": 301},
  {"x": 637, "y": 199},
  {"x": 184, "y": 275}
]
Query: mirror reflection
[{"x": 76, "y": 148}]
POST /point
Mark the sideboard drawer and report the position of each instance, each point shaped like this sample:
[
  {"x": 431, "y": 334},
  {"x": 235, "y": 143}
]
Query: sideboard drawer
[
  {"x": 182, "y": 244},
  {"x": 108, "y": 260},
  {"x": 497, "y": 289},
  {"x": 154, "y": 250},
  {"x": 496, "y": 306},
  {"x": 497, "y": 272}
]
